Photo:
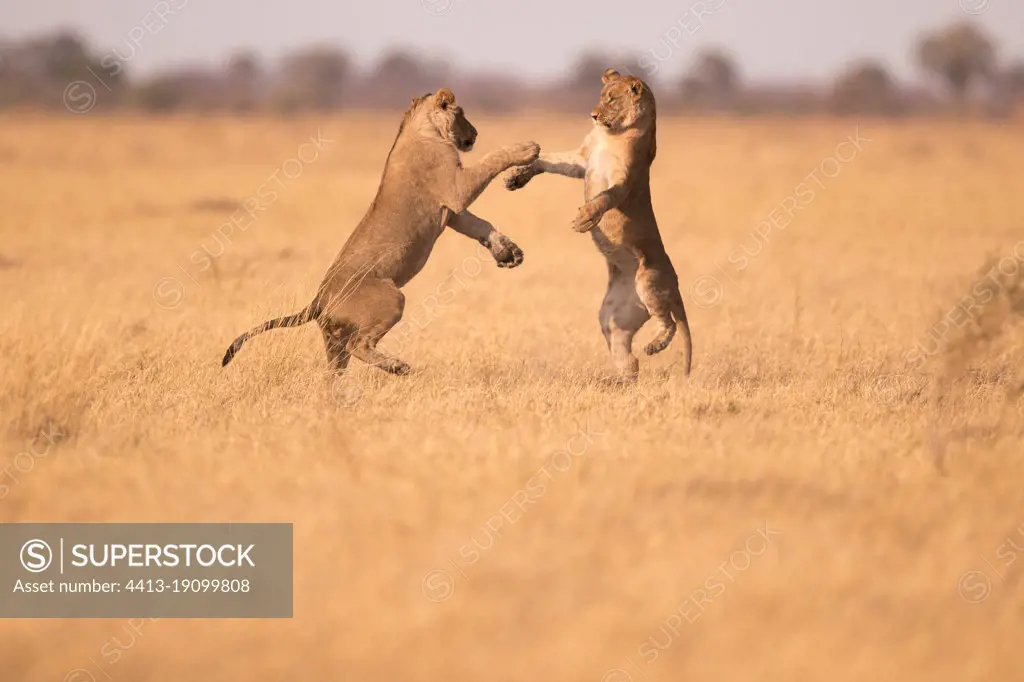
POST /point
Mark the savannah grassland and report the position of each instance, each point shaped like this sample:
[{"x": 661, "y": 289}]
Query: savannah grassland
[{"x": 804, "y": 507}]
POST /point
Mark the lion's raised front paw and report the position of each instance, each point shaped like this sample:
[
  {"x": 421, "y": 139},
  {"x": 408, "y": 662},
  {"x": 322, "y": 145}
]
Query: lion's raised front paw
[
  {"x": 587, "y": 218},
  {"x": 506, "y": 252},
  {"x": 524, "y": 153},
  {"x": 518, "y": 177}
]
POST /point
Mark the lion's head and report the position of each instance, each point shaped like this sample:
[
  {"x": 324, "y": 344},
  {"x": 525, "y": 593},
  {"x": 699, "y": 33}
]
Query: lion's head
[
  {"x": 626, "y": 102},
  {"x": 438, "y": 112}
]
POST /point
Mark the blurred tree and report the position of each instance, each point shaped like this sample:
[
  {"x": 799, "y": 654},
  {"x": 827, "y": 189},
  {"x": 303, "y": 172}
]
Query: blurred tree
[
  {"x": 712, "y": 82},
  {"x": 714, "y": 71},
  {"x": 163, "y": 93},
  {"x": 1013, "y": 79},
  {"x": 40, "y": 69},
  {"x": 958, "y": 55},
  {"x": 244, "y": 79},
  {"x": 399, "y": 76},
  {"x": 588, "y": 69},
  {"x": 403, "y": 72},
  {"x": 1007, "y": 93},
  {"x": 866, "y": 88},
  {"x": 65, "y": 58},
  {"x": 244, "y": 67},
  {"x": 314, "y": 78}
]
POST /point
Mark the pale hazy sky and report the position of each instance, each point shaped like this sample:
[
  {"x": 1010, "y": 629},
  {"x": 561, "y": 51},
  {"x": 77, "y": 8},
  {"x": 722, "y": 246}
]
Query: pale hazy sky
[{"x": 536, "y": 39}]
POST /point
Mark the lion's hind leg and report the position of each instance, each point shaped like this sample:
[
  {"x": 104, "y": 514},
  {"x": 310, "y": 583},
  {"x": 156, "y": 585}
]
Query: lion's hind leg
[
  {"x": 379, "y": 308},
  {"x": 658, "y": 289},
  {"x": 622, "y": 315},
  {"x": 336, "y": 343},
  {"x": 355, "y": 318}
]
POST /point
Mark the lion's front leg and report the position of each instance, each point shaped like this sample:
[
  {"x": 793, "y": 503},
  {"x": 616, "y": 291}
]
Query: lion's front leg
[
  {"x": 471, "y": 181},
  {"x": 570, "y": 164},
  {"x": 506, "y": 252},
  {"x": 588, "y": 217},
  {"x": 518, "y": 177},
  {"x": 590, "y": 213}
]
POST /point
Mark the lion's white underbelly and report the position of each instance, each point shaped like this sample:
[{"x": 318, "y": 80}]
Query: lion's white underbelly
[
  {"x": 603, "y": 163},
  {"x": 600, "y": 169},
  {"x": 618, "y": 255}
]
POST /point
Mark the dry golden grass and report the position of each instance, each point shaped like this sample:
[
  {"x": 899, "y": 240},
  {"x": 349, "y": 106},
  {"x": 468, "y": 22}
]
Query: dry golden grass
[{"x": 888, "y": 473}]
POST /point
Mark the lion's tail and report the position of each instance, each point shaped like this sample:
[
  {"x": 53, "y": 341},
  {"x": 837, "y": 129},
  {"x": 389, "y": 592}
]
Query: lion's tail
[
  {"x": 669, "y": 331},
  {"x": 308, "y": 314},
  {"x": 683, "y": 327}
]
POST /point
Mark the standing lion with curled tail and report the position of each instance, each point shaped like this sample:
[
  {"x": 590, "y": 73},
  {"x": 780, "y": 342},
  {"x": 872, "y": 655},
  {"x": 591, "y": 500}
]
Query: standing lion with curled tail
[
  {"x": 425, "y": 188},
  {"x": 615, "y": 165}
]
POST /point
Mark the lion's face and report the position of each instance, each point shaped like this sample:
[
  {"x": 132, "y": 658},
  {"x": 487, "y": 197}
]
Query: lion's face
[
  {"x": 448, "y": 119},
  {"x": 626, "y": 102}
]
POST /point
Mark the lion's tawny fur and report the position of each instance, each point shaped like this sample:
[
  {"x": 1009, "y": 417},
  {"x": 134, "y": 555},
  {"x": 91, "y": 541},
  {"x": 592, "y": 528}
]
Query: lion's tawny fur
[
  {"x": 424, "y": 188},
  {"x": 614, "y": 163}
]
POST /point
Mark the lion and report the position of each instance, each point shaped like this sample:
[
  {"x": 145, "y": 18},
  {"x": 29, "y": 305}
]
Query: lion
[
  {"x": 615, "y": 165},
  {"x": 424, "y": 188}
]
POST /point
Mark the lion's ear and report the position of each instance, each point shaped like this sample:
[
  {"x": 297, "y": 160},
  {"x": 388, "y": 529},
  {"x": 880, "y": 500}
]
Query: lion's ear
[
  {"x": 444, "y": 99},
  {"x": 609, "y": 75},
  {"x": 637, "y": 88}
]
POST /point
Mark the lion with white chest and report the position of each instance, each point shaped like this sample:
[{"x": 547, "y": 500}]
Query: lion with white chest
[{"x": 614, "y": 163}]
